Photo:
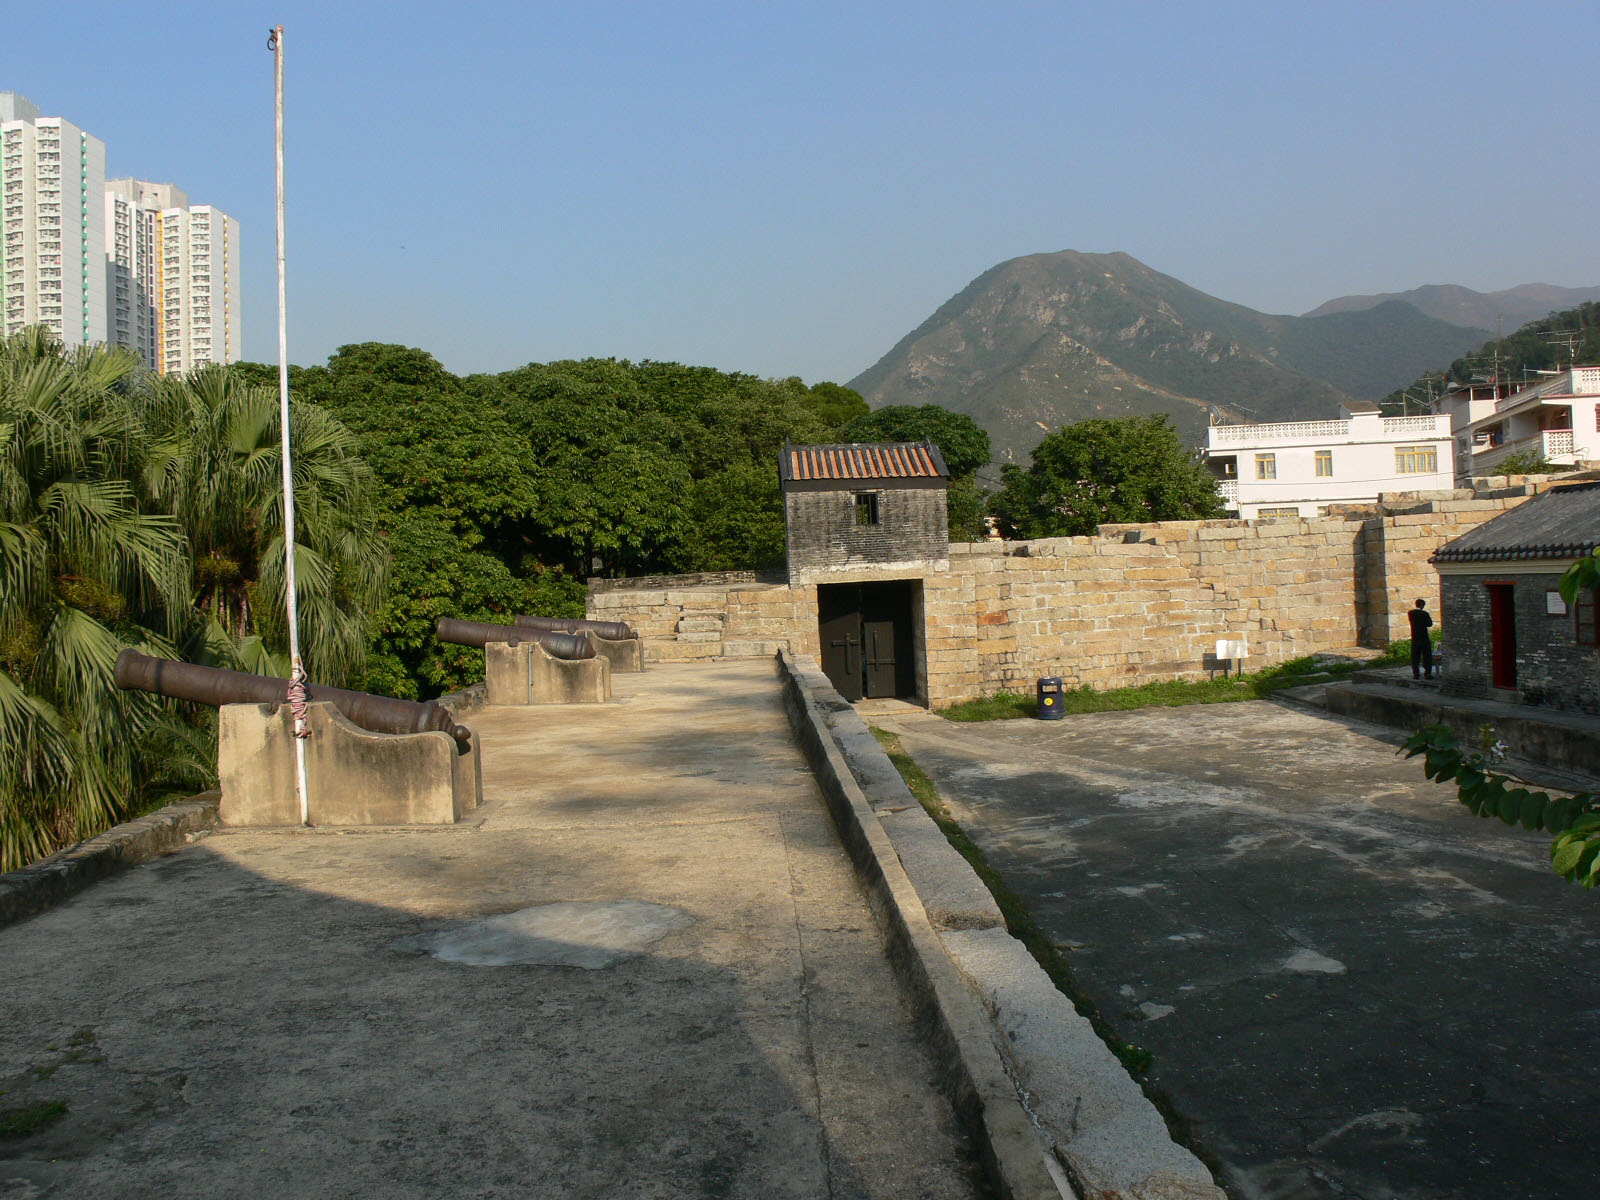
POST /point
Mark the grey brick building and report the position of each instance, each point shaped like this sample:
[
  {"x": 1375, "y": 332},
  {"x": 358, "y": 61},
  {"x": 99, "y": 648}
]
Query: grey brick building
[
  {"x": 867, "y": 524},
  {"x": 1507, "y": 632},
  {"x": 879, "y": 504}
]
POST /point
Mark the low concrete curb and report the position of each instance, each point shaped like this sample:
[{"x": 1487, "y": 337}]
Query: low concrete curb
[
  {"x": 975, "y": 1078},
  {"x": 1050, "y": 1101},
  {"x": 48, "y": 882},
  {"x": 1559, "y": 740}
]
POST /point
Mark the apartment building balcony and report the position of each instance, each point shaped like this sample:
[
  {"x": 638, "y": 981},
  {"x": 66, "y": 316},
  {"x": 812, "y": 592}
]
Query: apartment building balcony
[{"x": 1555, "y": 446}]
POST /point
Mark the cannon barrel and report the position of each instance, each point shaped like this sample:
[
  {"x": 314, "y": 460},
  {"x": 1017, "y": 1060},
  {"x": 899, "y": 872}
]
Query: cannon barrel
[
  {"x": 481, "y": 633},
  {"x": 218, "y": 686},
  {"x": 616, "y": 631}
]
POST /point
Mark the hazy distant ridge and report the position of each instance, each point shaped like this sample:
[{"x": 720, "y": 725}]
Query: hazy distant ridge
[
  {"x": 1050, "y": 338},
  {"x": 1458, "y": 305}
]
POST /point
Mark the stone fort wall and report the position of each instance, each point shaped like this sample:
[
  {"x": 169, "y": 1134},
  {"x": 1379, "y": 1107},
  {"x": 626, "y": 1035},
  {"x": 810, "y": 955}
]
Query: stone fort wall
[{"x": 1130, "y": 604}]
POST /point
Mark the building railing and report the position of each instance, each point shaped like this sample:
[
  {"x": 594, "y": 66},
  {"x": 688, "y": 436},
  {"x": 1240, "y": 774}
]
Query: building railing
[
  {"x": 1283, "y": 431},
  {"x": 1228, "y": 489},
  {"x": 1437, "y": 426},
  {"x": 1410, "y": 426},
  {"x": 1550, "y": 445},
  {"x": 1558, "y": 386}
]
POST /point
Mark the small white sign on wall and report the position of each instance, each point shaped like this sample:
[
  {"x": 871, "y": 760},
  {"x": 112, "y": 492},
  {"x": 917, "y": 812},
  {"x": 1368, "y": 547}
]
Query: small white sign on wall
[{"x": 1554, "y": 604}]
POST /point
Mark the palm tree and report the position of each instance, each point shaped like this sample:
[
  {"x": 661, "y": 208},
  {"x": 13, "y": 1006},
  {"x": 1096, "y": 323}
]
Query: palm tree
[
  {"x": 84, "y": 571},
  {"x": 216, "y": 465}
]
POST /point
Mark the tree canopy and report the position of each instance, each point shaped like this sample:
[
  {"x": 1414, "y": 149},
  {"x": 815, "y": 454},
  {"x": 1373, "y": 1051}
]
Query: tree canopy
[
  {"x": 1105, "y": 471},
  {"x": 146, "y": 513},
  {"x": 963, "y": 443},
  {"x": 503, "y": 493}
]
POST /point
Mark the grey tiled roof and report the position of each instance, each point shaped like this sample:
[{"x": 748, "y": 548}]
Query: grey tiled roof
[{"x": 1560, "y": 523}]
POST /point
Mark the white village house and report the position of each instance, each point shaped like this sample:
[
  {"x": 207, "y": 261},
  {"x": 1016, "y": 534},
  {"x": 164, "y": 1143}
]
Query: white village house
[
  {"x": 1302, "y": 468},
  {"x": 1556, "y": 419}
]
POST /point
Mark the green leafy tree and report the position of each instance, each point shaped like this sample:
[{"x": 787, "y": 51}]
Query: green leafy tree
[
  {"x": 85, "y": 571},
  {"x": 1101, "y": 471},
  {"x": 835, "y": 405},
  {"x": 963, "y": 443},
  {"x": 1524, "y": 462},
  {"x": 216, "y": 464}
]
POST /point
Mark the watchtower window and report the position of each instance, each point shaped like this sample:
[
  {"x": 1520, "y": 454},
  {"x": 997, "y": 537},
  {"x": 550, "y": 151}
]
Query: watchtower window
[{"x": 866, "y": 508}]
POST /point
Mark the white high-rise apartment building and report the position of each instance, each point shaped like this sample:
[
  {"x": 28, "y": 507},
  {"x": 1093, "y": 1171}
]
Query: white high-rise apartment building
[
  {"x": 172, "y": 277},
  {"x": 197, "y": 288},
  {"x": 52, "y": 221},
  {"x": 132, "y": 211}
]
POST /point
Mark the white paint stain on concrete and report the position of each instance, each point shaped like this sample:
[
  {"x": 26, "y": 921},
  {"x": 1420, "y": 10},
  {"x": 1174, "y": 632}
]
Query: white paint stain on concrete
[
  {"x": 588, "y": 935},
  {"x": 1138, "y": 889},
  {"x": 1154, "y": 1012},
  {"x": 1401, "y": 1121},
  {"x": 1309, "y": 962}
]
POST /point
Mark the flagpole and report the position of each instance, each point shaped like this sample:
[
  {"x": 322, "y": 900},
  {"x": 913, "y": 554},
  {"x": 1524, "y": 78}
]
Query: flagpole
[{"x": 296, "y": 669}]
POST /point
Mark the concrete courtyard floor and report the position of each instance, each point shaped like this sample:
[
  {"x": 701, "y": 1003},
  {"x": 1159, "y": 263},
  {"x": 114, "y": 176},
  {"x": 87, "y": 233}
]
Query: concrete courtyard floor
[
  {"x": 1350, "y": 985},
  {"x": 644, "y": 968}
]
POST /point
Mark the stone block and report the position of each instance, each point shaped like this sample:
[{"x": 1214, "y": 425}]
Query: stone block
[
  {"x": 711, "y": 623},
  {"x": 754, "y": 648}
]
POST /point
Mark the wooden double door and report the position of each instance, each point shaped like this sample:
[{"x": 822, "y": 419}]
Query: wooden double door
[{"x": 867, "y": 638}]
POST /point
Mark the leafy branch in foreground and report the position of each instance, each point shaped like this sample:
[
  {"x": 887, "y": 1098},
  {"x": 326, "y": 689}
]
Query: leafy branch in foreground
[{"x": 1575, "y": 854}]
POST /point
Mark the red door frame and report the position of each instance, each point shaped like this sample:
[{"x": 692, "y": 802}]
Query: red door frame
[{"x": 1502, "y": 633}]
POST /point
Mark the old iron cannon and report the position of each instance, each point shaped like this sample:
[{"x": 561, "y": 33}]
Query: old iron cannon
[
  {"x": 217, "y": 686},
  {"x": 569, "y": 646},
  {"x": 616, "y": 631}
]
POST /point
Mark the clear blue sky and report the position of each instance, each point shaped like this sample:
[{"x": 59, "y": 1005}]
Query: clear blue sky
[{"x": 789, "y": 189}]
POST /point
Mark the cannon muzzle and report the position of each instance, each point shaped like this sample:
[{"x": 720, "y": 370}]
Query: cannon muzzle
[
  {"x": 616, "y": 631},
  {"x": 217, "y": 686},
  {"x": 480, "y": 633}
]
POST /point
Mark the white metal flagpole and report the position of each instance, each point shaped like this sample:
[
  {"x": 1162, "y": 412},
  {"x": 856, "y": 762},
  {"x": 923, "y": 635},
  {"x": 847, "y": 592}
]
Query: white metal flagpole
[{"x": 297, "y": 674}]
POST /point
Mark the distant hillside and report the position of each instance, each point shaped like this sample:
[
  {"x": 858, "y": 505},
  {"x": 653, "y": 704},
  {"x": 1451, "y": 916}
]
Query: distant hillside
[
  {"x": 1511, "y": 308},
  {"x": 1051, "y": 338},
  {"x": 1548, "y": 344}
]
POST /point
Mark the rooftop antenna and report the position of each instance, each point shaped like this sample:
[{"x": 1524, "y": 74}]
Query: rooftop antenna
[
  {"x": 297, "y": 670},
  {"x": 1569, "y": 336}
]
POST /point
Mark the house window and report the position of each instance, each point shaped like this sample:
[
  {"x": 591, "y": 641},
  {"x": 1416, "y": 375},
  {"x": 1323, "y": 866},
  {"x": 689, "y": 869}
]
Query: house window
[
  {"x": 1415, "y": 460},
  {"x": 1266, "y": 466},
  {"x": 866, "y": 508},
  {"x": 1324, "y": 463},
  {"x": 1290, "y": 511},
  {"x": 1587, "y": 629}
]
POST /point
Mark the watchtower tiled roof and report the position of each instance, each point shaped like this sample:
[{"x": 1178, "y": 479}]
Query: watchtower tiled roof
[
  {"x": 873, "y": 463},
  {"x": 1561, "y": 523}
]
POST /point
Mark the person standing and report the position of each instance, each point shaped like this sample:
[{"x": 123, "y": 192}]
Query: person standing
[{"x": 1421, "y": 643}]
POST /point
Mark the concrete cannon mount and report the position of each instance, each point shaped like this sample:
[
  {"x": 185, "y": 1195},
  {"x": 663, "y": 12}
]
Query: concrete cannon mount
[
  {"x": 353, "y": 776},
  {"x": 624, "y": 654},
  {"x": 644, "y": 967},
  {"x": 523, "y": 673}
]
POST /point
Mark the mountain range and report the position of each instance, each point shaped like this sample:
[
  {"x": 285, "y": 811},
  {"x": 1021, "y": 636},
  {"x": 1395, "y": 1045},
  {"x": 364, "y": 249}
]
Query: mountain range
[
  {"x": 1507, "y": 310},
  {"x": 1046, "y": 339}
]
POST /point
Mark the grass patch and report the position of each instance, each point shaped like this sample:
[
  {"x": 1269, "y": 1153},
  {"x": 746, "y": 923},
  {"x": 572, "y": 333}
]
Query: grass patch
[
  {"x": 1019, "y": 921},
  {"x": 20, "y": 1122},
  {"x": 1173, "y": 693}
]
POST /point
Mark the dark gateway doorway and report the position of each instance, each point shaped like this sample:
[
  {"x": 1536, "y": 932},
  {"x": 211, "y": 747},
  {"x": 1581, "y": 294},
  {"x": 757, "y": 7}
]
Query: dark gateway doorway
[{"x": 868, "y": 638}]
